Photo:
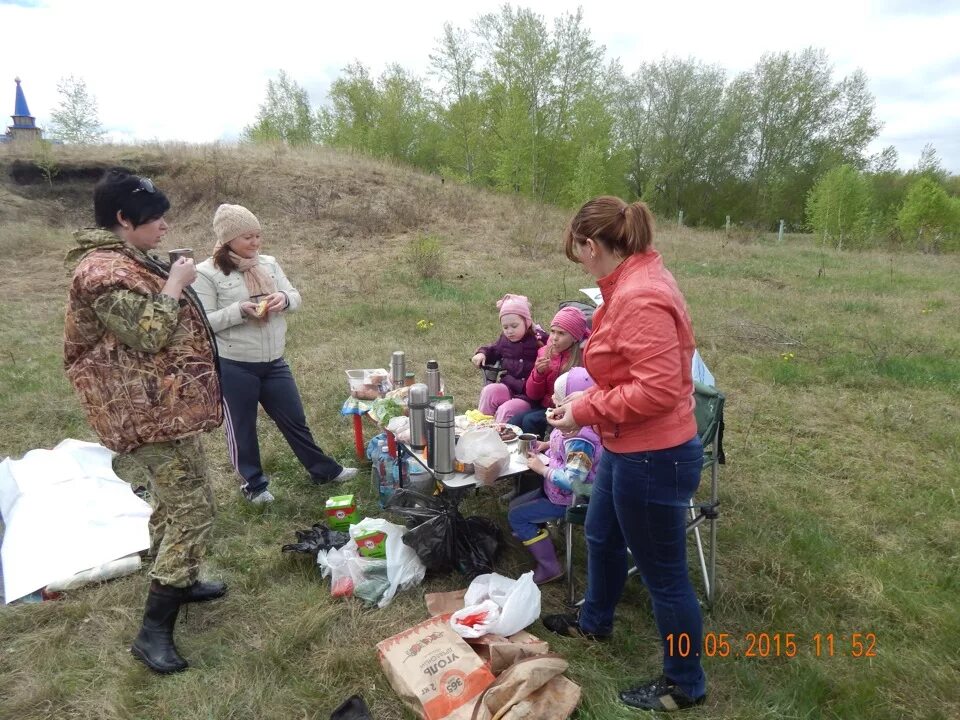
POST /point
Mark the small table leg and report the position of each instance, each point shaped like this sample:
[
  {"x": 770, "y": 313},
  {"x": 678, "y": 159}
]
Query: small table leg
[{"x": 358, "y": 436}]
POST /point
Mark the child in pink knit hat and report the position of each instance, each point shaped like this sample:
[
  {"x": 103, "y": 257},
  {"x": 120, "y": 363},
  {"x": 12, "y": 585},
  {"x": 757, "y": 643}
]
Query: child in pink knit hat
[
  {"x": 515, "y": 350},
  {"x": 568, "y": 330}
]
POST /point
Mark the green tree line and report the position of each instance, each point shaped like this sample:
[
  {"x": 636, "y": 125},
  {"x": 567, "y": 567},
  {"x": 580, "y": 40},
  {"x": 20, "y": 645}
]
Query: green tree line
[
  {"x": 917, "y": 210},
  {"x": 522, "y": 105}
]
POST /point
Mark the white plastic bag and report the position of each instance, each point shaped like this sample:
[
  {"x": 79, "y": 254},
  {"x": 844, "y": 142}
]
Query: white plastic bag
[
  {"x": 475, "y": 621},
  {"x": 341, "y": 566},
  {"x": 489, "y": 454},
  {"x": 482, "y": 442},
  {"x": 400, "y": 427},
  {"x": 404, "y": 568},
  {"x": 518, "y": 600}
]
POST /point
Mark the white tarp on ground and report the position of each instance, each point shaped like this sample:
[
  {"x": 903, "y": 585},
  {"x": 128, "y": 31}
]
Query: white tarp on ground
[{"x": 65, "y": 511}]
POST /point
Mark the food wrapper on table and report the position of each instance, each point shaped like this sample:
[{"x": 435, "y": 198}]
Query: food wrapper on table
[
  {"x": 471, "y": 420},
  {"x": 400, "y": 394},
  {"x": 488, "y": 468},
  {"x": 355, "y": 406},
  {"x": 488, "y": 453}
]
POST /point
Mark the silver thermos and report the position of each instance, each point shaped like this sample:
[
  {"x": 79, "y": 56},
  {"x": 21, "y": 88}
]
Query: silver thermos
[
  {"x": 417, "y": 402},
  {"x": 398, "y": 368},
  {"x": 444, "y": 440},
  {"x": 433, "y": 378},
  {"x": 431, "y": 437}
]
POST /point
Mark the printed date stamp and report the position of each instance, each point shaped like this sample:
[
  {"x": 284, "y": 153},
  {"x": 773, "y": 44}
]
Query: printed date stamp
[{"x": 774, "y": 644}]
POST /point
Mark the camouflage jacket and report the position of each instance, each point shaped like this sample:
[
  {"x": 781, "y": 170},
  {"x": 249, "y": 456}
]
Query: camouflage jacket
[{"x": 143, "y": 364}]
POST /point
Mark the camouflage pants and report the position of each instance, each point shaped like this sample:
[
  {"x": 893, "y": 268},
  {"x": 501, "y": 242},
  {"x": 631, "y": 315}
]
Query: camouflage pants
[{"x": 182, "y": 508}]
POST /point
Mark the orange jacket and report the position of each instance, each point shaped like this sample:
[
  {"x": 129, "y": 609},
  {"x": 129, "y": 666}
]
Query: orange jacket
[{"x": 639, "y": 355}]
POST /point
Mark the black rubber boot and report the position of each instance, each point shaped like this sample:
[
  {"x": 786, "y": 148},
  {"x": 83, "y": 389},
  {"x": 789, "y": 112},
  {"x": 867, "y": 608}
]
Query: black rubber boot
[
  {"x": 203, "y": 591},
  {"x": 154, "y": 644}
]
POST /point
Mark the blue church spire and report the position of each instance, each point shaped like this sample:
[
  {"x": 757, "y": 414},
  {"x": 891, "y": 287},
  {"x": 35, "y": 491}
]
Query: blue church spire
[
  {"x": 20, "y": 107},
  {"x": 24, "y": 126}
]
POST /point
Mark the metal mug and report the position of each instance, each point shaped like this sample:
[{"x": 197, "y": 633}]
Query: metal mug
[
  {"x": 525, "y": 444},
  {"x": 179, "y": 253}
]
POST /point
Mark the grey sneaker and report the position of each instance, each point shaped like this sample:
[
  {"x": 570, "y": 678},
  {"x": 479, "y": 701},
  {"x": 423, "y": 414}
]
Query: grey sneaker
[
  {"x": 261, "y": 498},
  {"x": 345, "y": 474}
]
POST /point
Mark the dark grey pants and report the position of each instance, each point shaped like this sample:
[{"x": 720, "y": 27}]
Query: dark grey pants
[{"x": 271, "y": 384}]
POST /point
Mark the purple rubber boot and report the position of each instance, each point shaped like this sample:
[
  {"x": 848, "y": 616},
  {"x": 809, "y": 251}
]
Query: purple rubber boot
[{"x": 548, "y": 566}]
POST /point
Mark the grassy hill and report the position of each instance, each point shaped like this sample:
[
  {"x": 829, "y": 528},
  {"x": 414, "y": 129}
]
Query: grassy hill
[{"x": 840, "y": 499}]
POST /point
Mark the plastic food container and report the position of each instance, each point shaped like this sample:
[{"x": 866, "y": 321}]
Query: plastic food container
[{"x": 370, "y": 383}]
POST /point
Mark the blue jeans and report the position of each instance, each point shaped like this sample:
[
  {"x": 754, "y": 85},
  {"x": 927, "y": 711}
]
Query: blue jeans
[
  {"x": 640, "y": 500},
  {"x": 533, "y": 420},
  {"x": 528, "y": 511}
]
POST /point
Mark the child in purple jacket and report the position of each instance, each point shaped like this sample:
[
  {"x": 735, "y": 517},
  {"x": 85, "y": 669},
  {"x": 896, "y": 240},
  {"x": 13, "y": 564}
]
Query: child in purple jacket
[{"x": 516, "y": 350}]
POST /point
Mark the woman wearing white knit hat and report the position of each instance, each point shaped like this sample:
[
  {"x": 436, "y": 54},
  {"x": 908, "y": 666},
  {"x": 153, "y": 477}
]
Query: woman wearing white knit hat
[{"x": 246, "y": 295}]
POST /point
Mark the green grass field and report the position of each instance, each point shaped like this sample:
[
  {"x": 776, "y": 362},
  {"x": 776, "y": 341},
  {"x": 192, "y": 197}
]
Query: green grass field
[{"x": 840, "y": 508}]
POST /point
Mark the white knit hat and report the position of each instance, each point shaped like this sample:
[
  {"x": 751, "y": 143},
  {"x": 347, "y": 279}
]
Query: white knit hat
[{"x": 231, "y": 221}]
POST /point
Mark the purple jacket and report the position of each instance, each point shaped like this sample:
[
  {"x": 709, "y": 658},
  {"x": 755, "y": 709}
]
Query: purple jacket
[
  {"x": 577, "y": 456},
  {"x": 516, "y": 358}
]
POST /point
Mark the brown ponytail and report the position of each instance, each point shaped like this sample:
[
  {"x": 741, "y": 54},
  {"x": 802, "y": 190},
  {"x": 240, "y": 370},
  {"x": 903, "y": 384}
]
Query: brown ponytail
[{"x": 621, "y": 228}]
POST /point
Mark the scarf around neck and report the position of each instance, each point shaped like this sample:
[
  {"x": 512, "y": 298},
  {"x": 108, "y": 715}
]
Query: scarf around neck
[{"x": 258, "y": 280}]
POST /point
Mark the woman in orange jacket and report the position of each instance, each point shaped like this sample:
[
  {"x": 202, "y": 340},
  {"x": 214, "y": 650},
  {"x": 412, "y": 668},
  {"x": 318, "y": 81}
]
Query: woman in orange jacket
[{"x": 639, "y": 355}]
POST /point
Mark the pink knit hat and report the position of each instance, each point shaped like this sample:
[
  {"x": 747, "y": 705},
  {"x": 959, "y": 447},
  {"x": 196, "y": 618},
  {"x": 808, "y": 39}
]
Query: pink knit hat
[
  {"x": 515, "y": 305},
  {"x": 573, "y": 321}
]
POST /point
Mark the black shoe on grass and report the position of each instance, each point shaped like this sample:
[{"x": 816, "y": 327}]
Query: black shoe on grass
[
  {"x": 661, "y": 694},
  {"x": 568, "y": 625}
]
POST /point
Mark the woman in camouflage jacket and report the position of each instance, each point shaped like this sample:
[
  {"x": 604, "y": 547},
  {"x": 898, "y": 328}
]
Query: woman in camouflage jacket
[{"x": 142, "y": 359}]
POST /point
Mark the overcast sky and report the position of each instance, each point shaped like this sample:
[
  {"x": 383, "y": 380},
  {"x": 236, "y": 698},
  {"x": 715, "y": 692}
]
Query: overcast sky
[{"x": 196, "y": 70}]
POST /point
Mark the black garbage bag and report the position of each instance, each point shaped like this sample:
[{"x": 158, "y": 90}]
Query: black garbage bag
[
  {"x": 319, "y": 537},
  {"x": 431, "y": 522},
  {"x": 478, "y": 542},
  {"x": 442, "y": 538},
  {"x": 353, "y": 708}
]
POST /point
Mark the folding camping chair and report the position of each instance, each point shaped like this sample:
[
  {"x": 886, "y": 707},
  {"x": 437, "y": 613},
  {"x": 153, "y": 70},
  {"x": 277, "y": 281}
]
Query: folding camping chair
[
  {"x": 491, "y": 373},
  {"x": 709, "y": 414}
]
